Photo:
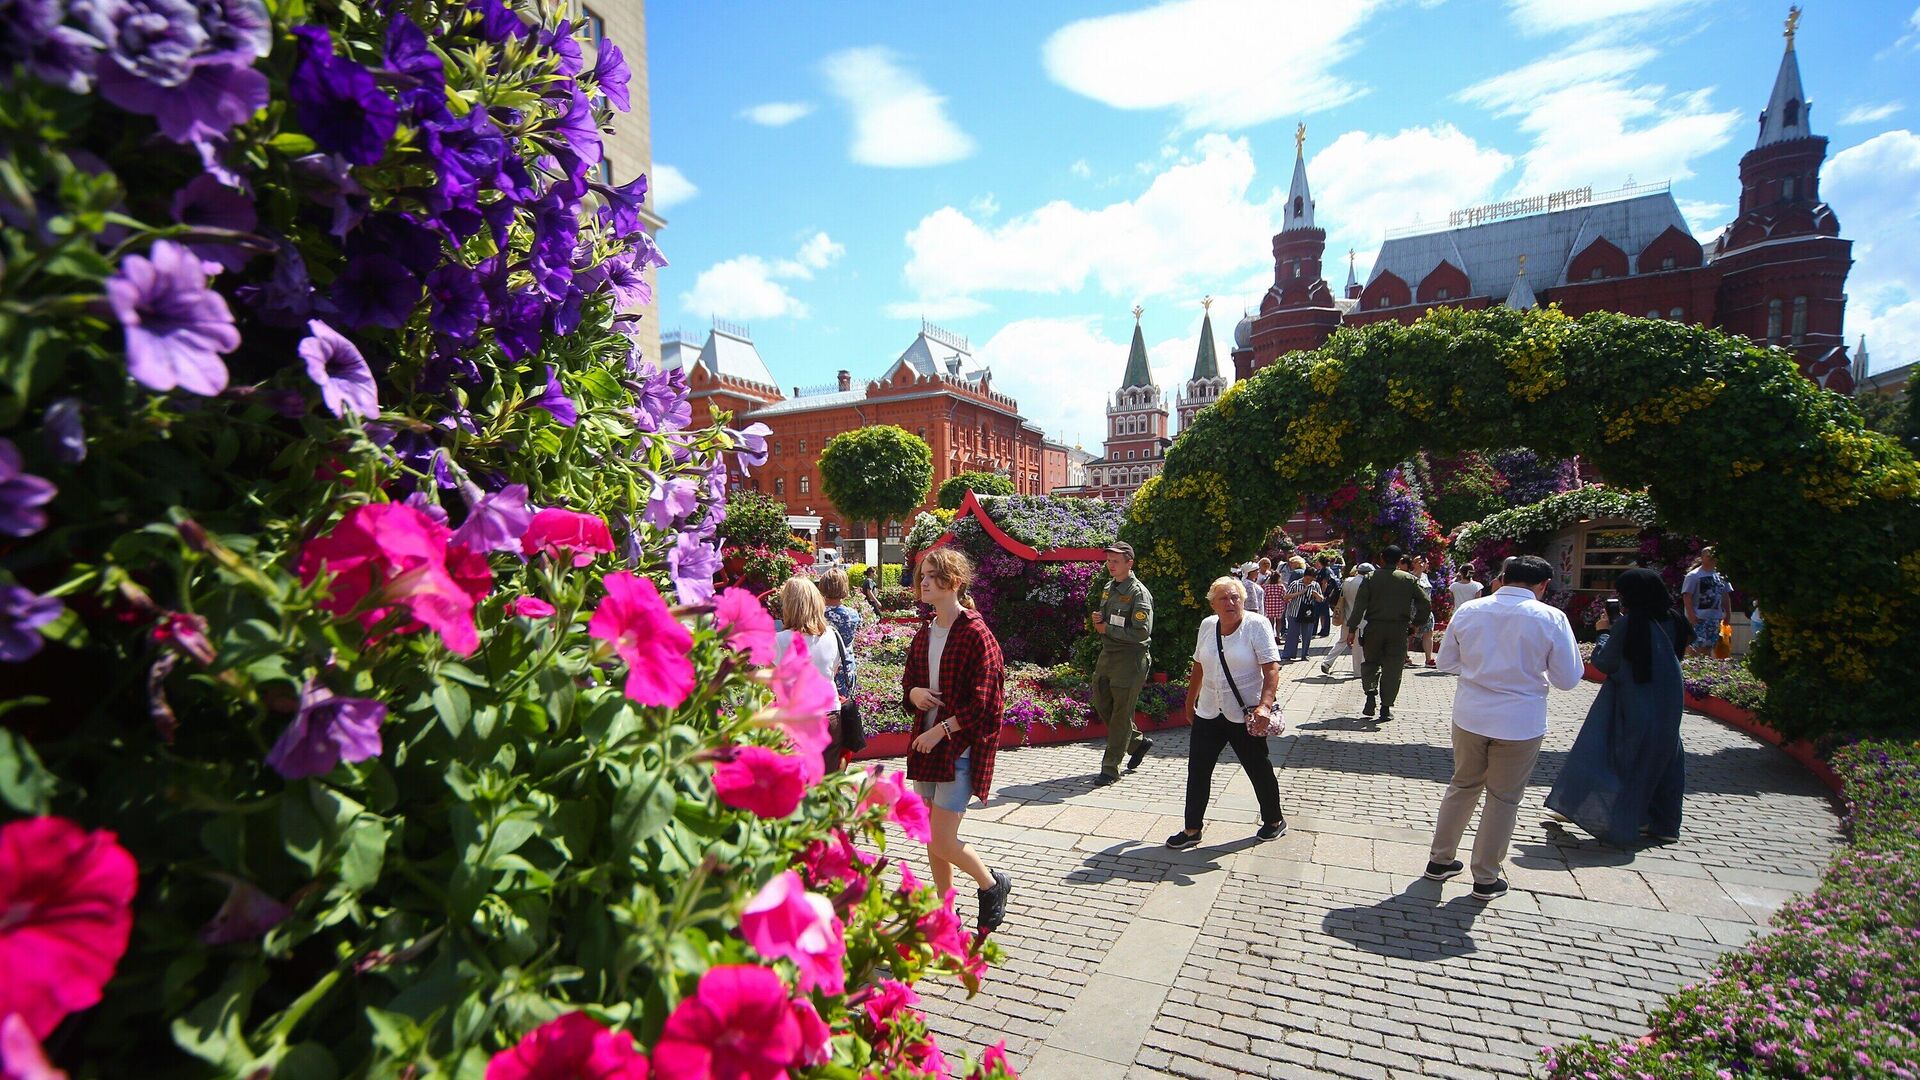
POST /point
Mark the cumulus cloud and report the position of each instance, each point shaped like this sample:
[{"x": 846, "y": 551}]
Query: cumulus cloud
[
  {"x": 1875, "y": 185},
  {"x": 776, "y": 113},
  {"x": 1707, "y": 219},
  {"x": 752, "y": 287},
  {"x": 1212, "y": 61},
  {"x": 669, "y": 187},
  {"x": 898, "y": 121},
  {"x": 1365, "y": 183},
  {"x": 1196, "y": 221},
  {"x": 1870, "y": 114}
]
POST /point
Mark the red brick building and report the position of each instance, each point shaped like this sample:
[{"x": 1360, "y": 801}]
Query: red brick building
[
  {"x": 1777, "y": 274},
  {"x": 1138, "y": 431},
  {"x": 935, "y": 389}
]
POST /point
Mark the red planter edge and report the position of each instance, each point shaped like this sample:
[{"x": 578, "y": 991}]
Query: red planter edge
[
  {"x": 1732, "y": 715},
  {"x": 894, "y": 743}
]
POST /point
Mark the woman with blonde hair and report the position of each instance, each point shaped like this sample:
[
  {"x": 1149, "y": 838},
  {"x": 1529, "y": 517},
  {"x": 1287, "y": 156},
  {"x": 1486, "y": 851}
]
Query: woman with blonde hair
[
  {"x": 804, "y": 613},
  {"x": 1235, "y": 675},
  {"x": 954, "y": 686}
]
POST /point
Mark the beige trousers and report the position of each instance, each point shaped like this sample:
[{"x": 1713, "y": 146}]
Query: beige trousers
[{"x": 1502, "y": 767}]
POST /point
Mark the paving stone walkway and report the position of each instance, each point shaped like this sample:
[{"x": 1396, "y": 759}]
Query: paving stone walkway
[{"x": 1324, "y": 953}]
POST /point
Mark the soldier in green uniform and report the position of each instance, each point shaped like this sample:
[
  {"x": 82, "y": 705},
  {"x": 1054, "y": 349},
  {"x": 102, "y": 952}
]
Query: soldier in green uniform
[
  {"x": 1389, "y": 602},
  {"x": 1123, "y": 617}
]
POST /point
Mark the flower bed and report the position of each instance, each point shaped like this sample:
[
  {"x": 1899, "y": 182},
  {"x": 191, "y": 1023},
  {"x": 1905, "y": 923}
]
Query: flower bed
[{"x": 1835, "y": 992}]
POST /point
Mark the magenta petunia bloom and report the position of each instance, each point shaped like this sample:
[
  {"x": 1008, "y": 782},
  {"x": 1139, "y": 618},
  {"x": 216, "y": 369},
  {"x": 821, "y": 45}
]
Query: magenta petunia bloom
[
  {"x": 802, "y": 700},
  {"x": 765, "y": 782},
  {"x": 326, "y": 731},
  {"x": 738, "y": 1024},
  {"x": 635, "y": 620},
  {"x": 22, "y": 494},
  {"x": 941, "y": 927},
  {"x": 739, "y": 615},
  {"x": 531, "y": 607},
  {"x": 245, "y": 916},
  {"x": 785, "y": 921},
  {"x": 835, "y": 861},
  {"x": 66, "y": 899},
  {"x": 555, "y": 530},
  {"x": 176, "y": 327},
  {"x": 403, "y": 553},
  {"x": 337, "y": 368},
  {"x": 904, "y": 805},
  {"x": 574, "y": 1047},
  {"x": 185, "y": 634},
  {"x": 815, "y": 1037},
  {"x": 21, "y": 1057},
  {"x": 909, "y": 881},
  {"x": 888, "y": 1001}
]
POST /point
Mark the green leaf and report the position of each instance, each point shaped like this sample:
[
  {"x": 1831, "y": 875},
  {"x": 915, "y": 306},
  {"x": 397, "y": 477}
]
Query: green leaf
[
  {"x": 292, "y": 143},
  {"x": 25, "y": 783},
  {"x": 214, "y": 1030},
  {"x": 455, "y": 708},
  {"x": 643, "y": 807}
]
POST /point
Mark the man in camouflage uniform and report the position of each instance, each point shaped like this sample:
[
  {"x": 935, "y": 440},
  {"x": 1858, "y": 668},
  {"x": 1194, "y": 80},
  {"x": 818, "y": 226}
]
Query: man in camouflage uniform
[
  {"x": 1389, "y": 601},
  {"x": 1123, "y": 617}
]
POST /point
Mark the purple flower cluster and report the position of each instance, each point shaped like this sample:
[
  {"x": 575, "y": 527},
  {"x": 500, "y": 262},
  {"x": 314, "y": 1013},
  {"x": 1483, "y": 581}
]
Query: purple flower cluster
[
  {"x": 22, "y": 498},
  {"x": 1531, "y": 477}
]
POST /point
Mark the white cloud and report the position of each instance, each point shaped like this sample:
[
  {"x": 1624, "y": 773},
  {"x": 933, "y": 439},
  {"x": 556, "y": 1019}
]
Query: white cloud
[
  {"x": 1869, "y": 114},
  {"x": 1195, "y": 222},
  {"x": 669, "y": 187},
  {"x": 1875, "y": 186},
  {"x": 898, "y": 121},
  {"x": 750, "y": 287},
  {"x": 1602, "y": 132},
  {"x": 985, "y": 205},
  {"x": 1364, "y": 184},
  {"x": 1081, "y": 169},
  {"x": 1213, "y": 61},
  {"x": 1707, "y": 219},
  {"x": 1512, "y": 91},
  {"x": 776, "y": 113},
  {"x": 1547, "y": 16},
  {"x": 955, "y": 307}
]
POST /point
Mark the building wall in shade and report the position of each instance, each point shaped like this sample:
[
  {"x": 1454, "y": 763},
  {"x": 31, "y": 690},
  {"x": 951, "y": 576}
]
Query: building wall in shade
[{"x": 629, "y": 147}]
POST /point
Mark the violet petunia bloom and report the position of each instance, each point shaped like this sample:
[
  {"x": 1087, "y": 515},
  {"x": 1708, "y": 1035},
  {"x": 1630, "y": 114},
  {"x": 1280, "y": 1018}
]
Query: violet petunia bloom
[
  {"x": 176, "y": 327},
  {"x": 564, "y": 45},
  {"x": 467, "y": 153},
  {"x": 247, "y": 913},
  {"x": 411, "y": 59},
  {"x": 692, "y": 564},
  {"x": 623, "y": 203},
  {"x": 337, "y": 101},
  {"x": 498, "y": 22},
  {"x": 22, "y": 494},
  {"x": 611, "y": 75},
  {"x": 206, "y": 202},
  {"x": 579, "y": 133},
  {"x": 420, "y": 501},
  {"x": 327, "y": 731},
  {"x": 555, "y": 401},
  {"x": 155, "y": 41},
  {"x": 286, "y": 297},
  {"x": 495, "y": 522},
  {"x": 337, "y": 368},
  {"x": 31, "y": 33},
  {"x": 22, "y": 614},
  {"x": 376, "y": 290},
  {"x": 332, "y": 185},
  {"x": 751, "y": 442},
  {"x": 238, "y": 31},
  {"x": 660, "y": 402},
  {"x": 188, "y": 65},
  {"x": 671, "y": 500},
  {"x": 66, "y": 437}
]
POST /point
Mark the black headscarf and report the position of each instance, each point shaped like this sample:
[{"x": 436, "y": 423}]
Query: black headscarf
[{"x": 1646, "y": 600}]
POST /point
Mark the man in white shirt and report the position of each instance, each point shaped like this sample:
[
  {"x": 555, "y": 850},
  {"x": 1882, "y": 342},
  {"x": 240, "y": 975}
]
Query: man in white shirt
[{"x": 1507, "y": 648}]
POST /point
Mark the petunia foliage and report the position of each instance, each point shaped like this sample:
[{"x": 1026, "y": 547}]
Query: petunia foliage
[{"x": 364, "y": 705}]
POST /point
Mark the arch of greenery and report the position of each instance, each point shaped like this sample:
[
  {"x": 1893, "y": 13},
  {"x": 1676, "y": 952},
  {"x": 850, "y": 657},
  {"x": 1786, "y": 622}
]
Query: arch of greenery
[{"x": 1815, "y": 516}]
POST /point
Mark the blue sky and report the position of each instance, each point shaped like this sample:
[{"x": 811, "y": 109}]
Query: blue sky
[{"x": 1023, "y": 174}]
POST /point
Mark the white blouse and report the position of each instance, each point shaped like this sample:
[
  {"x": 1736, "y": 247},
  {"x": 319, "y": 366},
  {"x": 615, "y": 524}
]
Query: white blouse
[{"x": 1248, "y": 649}]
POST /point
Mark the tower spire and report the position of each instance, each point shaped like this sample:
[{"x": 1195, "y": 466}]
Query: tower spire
[
  {"x": 1205, "y": 366},
  {"x": 1299, "y": 213},
  {"x": 1521, "y": 297},
  {"x": 1137, "y": 372},
  {"x": 1353, "y": 281},
  {"x": 1787, "y": 108}
]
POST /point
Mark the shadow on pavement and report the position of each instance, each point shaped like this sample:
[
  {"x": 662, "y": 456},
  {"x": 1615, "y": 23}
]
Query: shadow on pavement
[
  {"x": 1412, "y": 925},
  {"x": 1140, "y": 860}
]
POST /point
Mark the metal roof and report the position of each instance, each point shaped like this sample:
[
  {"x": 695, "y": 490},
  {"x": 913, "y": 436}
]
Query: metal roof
[
  {"x": 1490, "y": 253},
  {"x": 728, "y": 351},
  {"x": 937, "y": 352},
  {"x": 1787, "y": 103},
  {"x": 811, "y": 402},
  {"x": 1204, "y": 364}
]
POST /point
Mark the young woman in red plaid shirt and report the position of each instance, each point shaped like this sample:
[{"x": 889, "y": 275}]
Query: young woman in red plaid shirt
[{"x": 954, "y": 686}]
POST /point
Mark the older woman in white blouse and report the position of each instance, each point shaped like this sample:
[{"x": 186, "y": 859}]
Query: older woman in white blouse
[{"x": 1236, "y": 672}]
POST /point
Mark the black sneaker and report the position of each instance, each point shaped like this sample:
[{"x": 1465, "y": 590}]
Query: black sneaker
[
  {"x": 993, "y": 902},
  {"x": 1659, "y": 837},
  {"x": 1386, "y": 715},
  {"x": 1367, "y": 709},
  {"x": 1272, "y": 830},
  {"x": 1183, "y": 840},
  {"x": 1441, "y": 871},
  {"x": 1134, "y": 759},
  {"x": 1103, "y": 780},
  {"x": 1492, "y": 890}
]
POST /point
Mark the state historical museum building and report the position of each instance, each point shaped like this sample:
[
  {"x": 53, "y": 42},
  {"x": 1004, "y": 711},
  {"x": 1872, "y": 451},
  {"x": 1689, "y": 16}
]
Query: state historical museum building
[{"x": 1777, "y": 274}]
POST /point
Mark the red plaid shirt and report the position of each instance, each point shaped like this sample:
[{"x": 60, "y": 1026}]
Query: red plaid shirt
[{"x": 973, "y": 684}]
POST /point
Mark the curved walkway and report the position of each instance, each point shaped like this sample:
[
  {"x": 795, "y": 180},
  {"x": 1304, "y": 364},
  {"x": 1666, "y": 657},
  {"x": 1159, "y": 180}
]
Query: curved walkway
[{"x": 1324, "y": 953}]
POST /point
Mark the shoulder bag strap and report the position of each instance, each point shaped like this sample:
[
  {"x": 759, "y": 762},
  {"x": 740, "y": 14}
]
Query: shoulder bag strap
[{"x": 1219, "y": 642}]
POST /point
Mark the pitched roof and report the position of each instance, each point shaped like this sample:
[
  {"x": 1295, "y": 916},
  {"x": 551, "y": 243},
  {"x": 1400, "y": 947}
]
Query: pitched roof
[
  {"x": 1298, "y": 191},
  {"x": 1774, "y": 123},
  {"x": 1521, "y": 297},
  {"x": 1204, "y": 364},
  {"x": 1137, "y": 372},
  {"x": 728, "y": 351},
  {"x": 1489, "y": 254},
  {"x": 936, "y": 352}
]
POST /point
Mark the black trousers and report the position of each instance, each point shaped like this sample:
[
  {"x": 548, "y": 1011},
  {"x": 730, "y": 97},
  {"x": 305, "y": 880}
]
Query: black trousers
[{"x": 1210, "y": 735}]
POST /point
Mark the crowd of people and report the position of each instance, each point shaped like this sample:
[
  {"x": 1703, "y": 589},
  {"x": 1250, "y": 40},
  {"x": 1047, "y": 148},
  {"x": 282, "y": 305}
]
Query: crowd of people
[{"x": 1624, "y": 778}]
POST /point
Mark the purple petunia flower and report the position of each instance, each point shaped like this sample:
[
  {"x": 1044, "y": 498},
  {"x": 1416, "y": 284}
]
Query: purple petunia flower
[
  {"x": 619, "y": 273},
  {"x": 286, "y": 297},
  {"x": 751, "y": 441},
  {"x": 661, "y": 402},
  {"x": 671, "y": 500},
  {"x": 623, "y": 203},
  {"x": 459, "y": 301},
  {"x": 22, "y": 494},
  {"x": 337, "y": 368},
  {"x": 556, "y": 232},
  {"x": 611, "y": 75},
  {"x": 327, "y": 731},
  {"x": 247, "y": 913},
  {"x": 496, "y": 521},
  {"x": 207, "y": 202},
  {"x": 187, "y": 65},
  {"x": 333, "y": 186},
  {"x": 31, "y": 33},
  {"x": 411, "y": 59},
  {"x": 692, "y": 564},
  {"x": 517, "y": 324},
  {"x": 467, "y": 153},
  {"x": 376, "y": 290},
  {"x": 238, "y": 31},
  {"x": 497, "y": 21},
  {"x": 555, "y": 401},
  {"x": 66, "y": 437},
  {"x": 22, "y": 614},
  {"x": 579, "y": 133},
  {"x": 564, "y": 45},
  {"x": 155, "y": 41},
  {"x": 176, "y": 327},
  {"x": 214, "y": 100},
  {"x": 422, "y": 502},
  {"x": 337, "y": 101}
]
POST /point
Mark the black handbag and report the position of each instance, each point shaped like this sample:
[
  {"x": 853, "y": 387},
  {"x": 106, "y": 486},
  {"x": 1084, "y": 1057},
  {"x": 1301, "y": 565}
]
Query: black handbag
[
  {"x": 1260, "y": 726},
  {"x": 849, "y": 733}
]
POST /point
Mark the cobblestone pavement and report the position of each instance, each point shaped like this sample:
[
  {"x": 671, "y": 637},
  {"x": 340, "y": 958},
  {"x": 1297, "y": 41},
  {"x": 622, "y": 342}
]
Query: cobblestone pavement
[{"x": 1324, "y": 953}]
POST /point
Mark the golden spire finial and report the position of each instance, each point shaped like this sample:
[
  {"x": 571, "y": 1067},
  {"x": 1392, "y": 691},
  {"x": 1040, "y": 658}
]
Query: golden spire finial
[
  {"x": 1206, "y": 302},
  {"x": 1349, "y": 257},
  {"x": 1137, "y": 310},
  {"x": 1523, "y": 265},
  {"x": 1793, "y": 24},
  {"x": 1300, "y": 132}
]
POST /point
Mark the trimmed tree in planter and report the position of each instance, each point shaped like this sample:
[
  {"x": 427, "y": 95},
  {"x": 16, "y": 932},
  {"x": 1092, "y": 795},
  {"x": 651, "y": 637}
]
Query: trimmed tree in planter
[{"x": 876, "y": 474}]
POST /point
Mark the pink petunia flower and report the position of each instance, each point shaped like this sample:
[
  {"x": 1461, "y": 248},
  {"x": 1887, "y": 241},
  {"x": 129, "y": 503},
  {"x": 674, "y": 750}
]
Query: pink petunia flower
[
  {"x": 834, "y": 861},
  {"x": 65, "y": 914},
  {"x": 393, "y": 555},
  {"x": 942, "y": 929},
  {"x": 655, "y": 646},
  {"x": 888, "y": 1001},
  {"x": 994, "y": 1063},
  {"x": 530, "y": 606},
  {"x": 904, "y": 805},
  {"x": 20, "y": 1055},
  {"x": 247, "y": 914},
  {"x": 814, "y": 1034},
  {"x": 555, "y": 530},
  {"x": 766, "y": 782},
  {"x": 784, "y": 920},
  {"x": 748, "y": 628},
  {"x": 184, "y": 633},
  {"x": 574, "y": 1047},
  {"x": 909, "y": 882},
  {"x": 802, "y": 700},
  {"x": 739, "y": 1024}
]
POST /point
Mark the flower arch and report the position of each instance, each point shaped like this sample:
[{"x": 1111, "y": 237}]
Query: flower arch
[{"x": 1728, "y": 438}]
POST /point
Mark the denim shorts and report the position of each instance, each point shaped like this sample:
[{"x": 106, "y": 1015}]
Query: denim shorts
[{"x": 949, "y": 794}]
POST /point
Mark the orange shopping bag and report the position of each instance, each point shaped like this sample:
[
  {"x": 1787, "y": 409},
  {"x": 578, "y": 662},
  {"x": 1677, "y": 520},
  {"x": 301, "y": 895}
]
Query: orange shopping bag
[{"x": 1723, "y": 649}]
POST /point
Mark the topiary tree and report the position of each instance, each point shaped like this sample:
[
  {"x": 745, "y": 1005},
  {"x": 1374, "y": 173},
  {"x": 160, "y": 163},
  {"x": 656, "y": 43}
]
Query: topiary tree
[
  {"x": 1730, "y": 440},
  {"x": 755, "y": 520},
  {"x": 980, "y": 483},
  {"x": 876, "y": 474}
]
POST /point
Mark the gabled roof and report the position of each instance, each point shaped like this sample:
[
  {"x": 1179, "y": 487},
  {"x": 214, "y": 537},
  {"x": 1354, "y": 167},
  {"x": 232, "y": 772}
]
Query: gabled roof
[
  {"x": 936, "y": 352},
  {"x": 728, "y": 351},
  {"x": 1490, "y": 253}
]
